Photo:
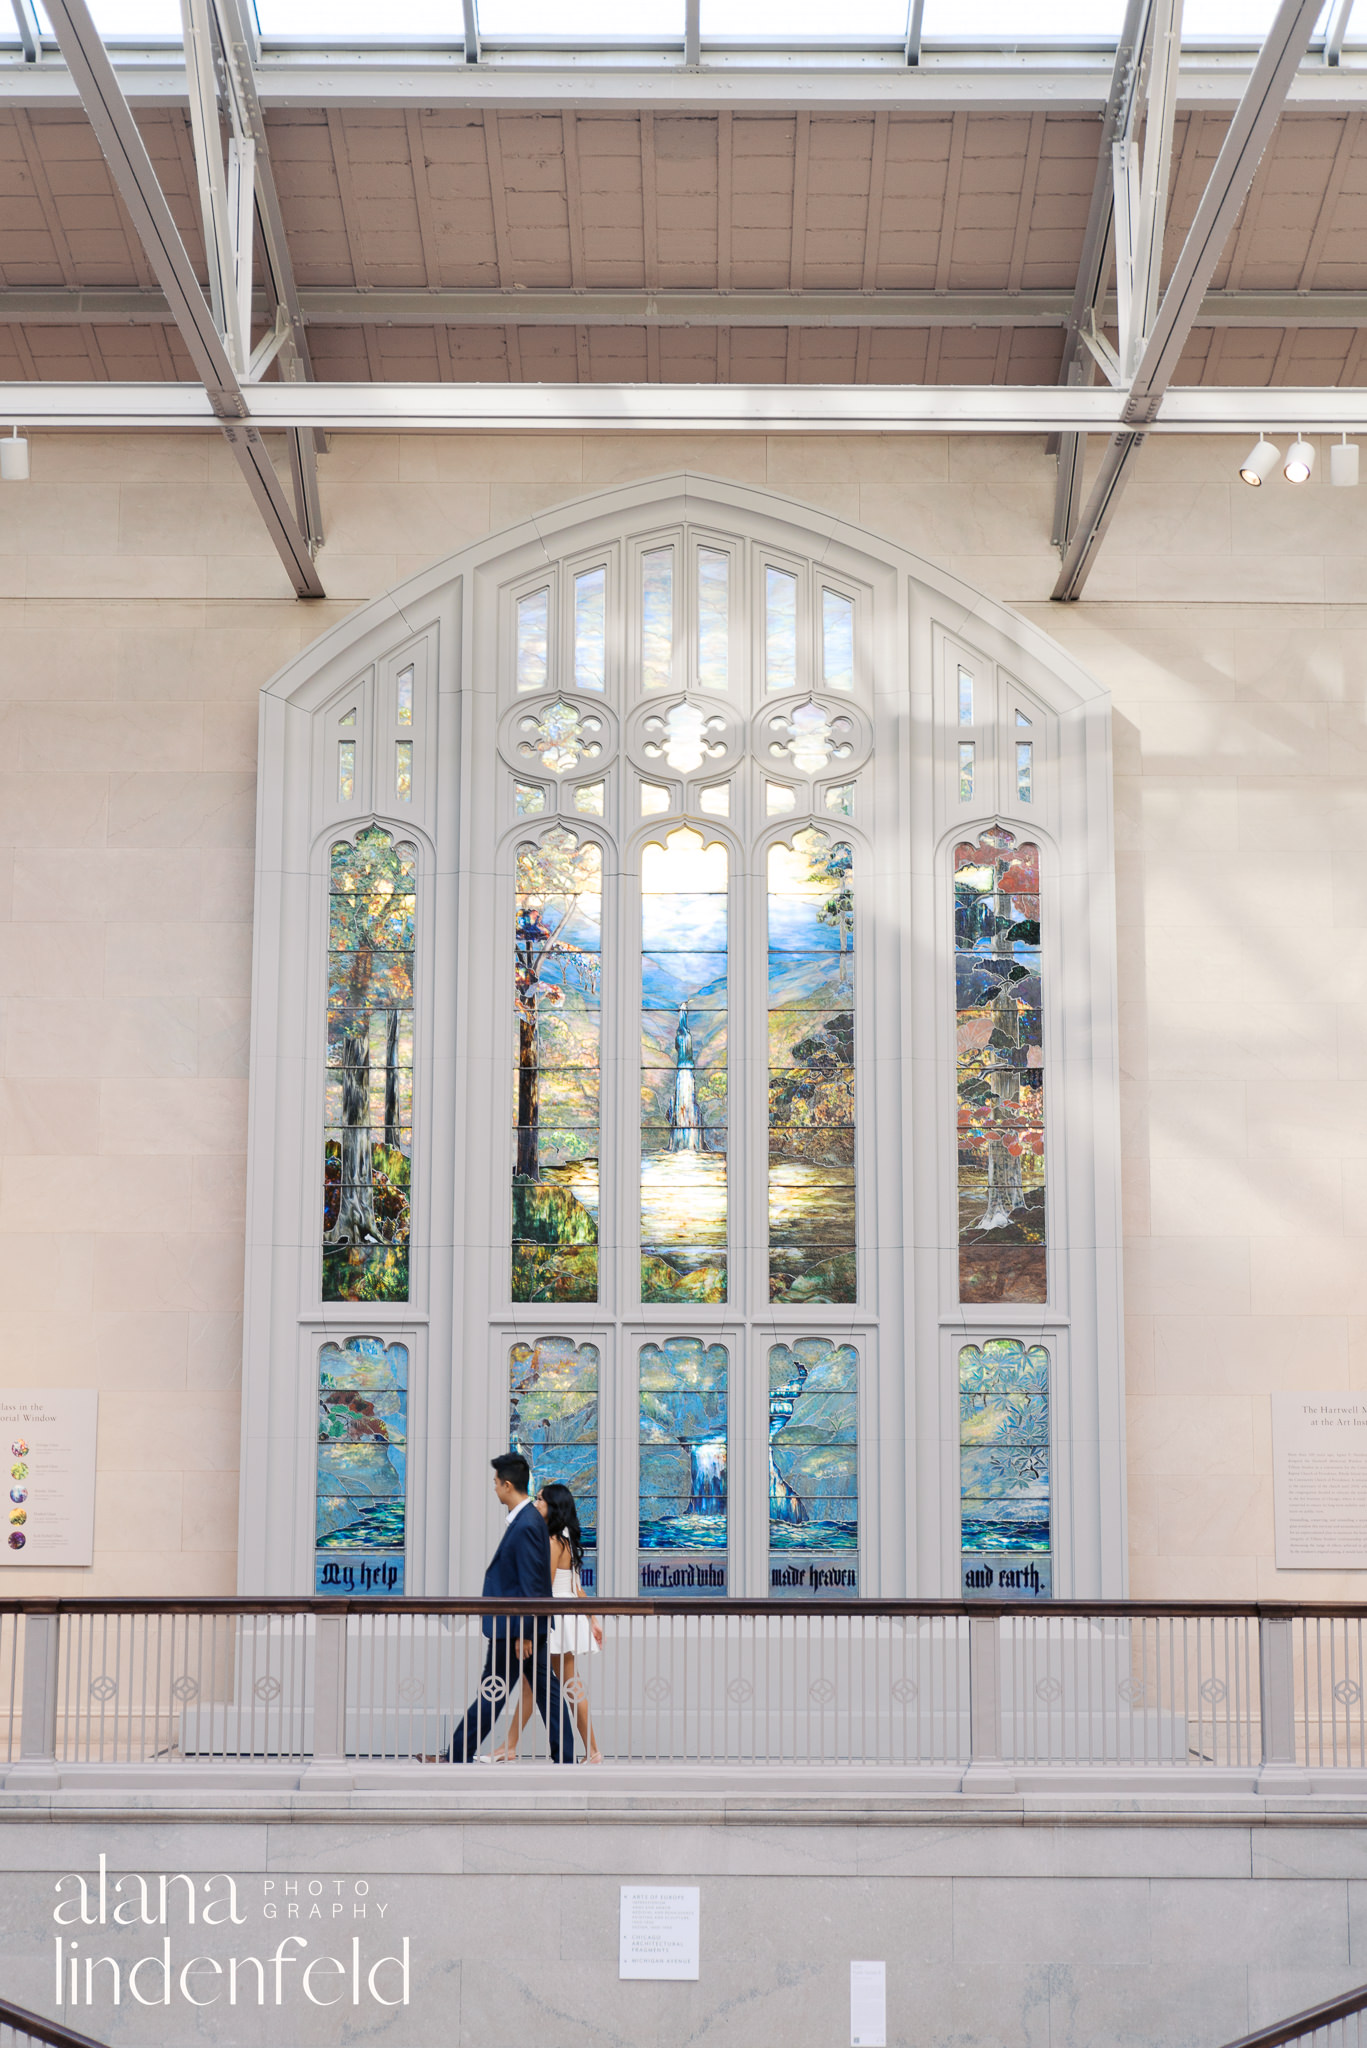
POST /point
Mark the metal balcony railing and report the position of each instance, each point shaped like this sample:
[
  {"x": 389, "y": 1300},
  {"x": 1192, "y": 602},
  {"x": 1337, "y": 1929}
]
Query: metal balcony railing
[
  {"x": 1115, "y": 1685},
  {"x": 1335, "y": 2024},
  {"x": 20, "y": 2028}
]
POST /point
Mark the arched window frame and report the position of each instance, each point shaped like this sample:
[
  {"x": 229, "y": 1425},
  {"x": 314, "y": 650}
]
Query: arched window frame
[{"x": 910, "y": 619}]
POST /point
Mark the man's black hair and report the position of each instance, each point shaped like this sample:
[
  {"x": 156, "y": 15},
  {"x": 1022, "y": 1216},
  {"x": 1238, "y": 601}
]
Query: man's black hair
[{"x": 512, "y": 1468}]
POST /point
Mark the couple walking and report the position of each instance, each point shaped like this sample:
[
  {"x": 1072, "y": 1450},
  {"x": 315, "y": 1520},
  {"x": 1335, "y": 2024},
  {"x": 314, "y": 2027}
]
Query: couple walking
[{"x": 538, "y": 1558}]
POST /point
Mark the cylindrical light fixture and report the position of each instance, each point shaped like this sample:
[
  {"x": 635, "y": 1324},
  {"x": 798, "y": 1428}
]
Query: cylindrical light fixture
[
  {"x": 14, "y": 458},
  {"x": 1260, "y": 461},
  {"x": 1300, "y": 460},
  {"x": 1343, "y": 464}
]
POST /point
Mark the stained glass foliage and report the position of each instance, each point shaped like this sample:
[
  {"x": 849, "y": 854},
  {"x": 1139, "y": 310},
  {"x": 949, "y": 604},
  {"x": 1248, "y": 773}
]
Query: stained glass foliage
[
  {"x": 529, "y": 799},
  {"x": 813, "y": 1468},
  {"x": 1004, "y": 1469},
  {"x": 360, "y": 1523},
  {"x": 533, "y": 640},
  {"x": 403, "y": 694},
  {"x": 403, "y": 771},
  {"x": 346, "y": 771},
  {"x": 780, "y": 630},
  {"x": 837, "y": 640},
  {"x": 1000, "y": 1061},
  {"x": 368, "y": 1142},
  {"x": 657, "y": 618},
  {"x": 684, "y": 1069},
  {"x": 714, "y": 619},
  {"x": 590, "y": 630},
  {"x": 557, "y": 951},
  {"x": 553, "y": 1421},
  {"x": 811, "y": 1071},
  {"x": 683, "y": 1467}
]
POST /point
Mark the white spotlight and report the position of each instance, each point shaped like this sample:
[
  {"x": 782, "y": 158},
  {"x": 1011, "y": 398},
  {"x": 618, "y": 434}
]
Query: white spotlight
[
  {"x": 14, "y": 458},
  {"x": 1300, "y": 460},
  {"x": 1343, "y": 464},
  {"x": 1259, "y": 463}
]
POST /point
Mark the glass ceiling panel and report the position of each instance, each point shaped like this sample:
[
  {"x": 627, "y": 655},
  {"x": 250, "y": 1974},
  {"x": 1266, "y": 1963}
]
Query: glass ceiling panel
[
  {"x": 643, "y": 19},
  {"x": 800, "y": 20},
  {"x": 1006, "y": 21},
  {"x": 116, "y": 18},
  {"x": 324, "y": 18}
]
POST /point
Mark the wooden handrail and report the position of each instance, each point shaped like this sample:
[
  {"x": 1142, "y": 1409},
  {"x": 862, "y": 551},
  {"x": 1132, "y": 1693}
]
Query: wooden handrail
[
  {"x": 39, "y": 2029},
  {"x": 1308, "y": 2022},
  {"x": 603, "y": 1603}
]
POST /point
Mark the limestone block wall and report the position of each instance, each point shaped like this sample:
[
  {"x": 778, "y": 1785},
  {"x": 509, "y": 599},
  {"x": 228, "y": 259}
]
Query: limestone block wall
[{"x": 141, "y": 610}]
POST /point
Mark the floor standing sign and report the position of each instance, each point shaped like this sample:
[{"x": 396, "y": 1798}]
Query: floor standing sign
[{"x": 47, "y": 1456}]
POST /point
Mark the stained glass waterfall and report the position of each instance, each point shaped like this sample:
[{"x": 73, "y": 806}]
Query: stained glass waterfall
[
  {"x": 557, "y": 954},
  {"x": 1000, "y": 1060},
  {"x": 813, "y": 1468},
  {"x": 360, "y": 1522},
  {"x": 811, "y": 1071},
  {"x": 1004, "y": 1469},
  {"x": 683, "y": 1490},
  {"x": 368, "y": 1141},
  {"x": 683, "y": 1069}
]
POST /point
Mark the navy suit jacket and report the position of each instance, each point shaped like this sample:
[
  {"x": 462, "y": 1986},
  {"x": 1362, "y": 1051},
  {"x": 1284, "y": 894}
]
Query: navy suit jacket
[{"x": 521, "y": 1564}]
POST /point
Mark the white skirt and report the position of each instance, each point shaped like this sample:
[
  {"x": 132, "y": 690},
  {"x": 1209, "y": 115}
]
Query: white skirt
[{"x": 574, "y": 1635}]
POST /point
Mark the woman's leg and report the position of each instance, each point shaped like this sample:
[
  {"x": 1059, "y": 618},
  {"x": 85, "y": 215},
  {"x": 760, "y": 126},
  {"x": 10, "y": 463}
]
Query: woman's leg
[
  {"x": 581, "y": 1708},
  {"x": 506, "y": 1753}
]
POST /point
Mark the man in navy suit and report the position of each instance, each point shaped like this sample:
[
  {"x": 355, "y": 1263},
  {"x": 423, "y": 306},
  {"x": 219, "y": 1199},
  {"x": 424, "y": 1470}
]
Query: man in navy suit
[{"x": 517, "y": 1642}]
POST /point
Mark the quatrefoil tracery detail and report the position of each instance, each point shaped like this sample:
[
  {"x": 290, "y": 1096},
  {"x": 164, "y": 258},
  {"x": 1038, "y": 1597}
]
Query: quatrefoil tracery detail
[
  {"x": 560, "y": 737},
  {"x": 684, "y": 737},
  {"x": 810, "y": 736}
]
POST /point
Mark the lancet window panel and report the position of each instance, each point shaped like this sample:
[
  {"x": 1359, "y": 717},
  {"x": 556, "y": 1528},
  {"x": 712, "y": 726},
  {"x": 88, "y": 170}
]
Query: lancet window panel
[
  {"x": 553, "y": 1410},
  {"x": 361, "y": 1516},
  {"x": 1004, "y": 1469},
  {"x": 557, "y": 1005},
  {"x": 1002, "y": 1193},
  {"x": 813, "y": 1468},
  {"x": 368, "y": 1140},
  {"x": 682, "y": 1474}
]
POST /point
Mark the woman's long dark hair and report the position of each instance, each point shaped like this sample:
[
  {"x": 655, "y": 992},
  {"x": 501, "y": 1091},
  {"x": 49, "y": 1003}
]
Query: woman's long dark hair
[{"x": 562, "y": 1518}]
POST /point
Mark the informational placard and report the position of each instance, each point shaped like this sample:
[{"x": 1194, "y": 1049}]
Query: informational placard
[
  {"x": 659, "y": 1931},
  {"x": 47, "y": 1457},
  {"x": 1319, "y": 1481},
  {"x": 868, "y": 2005}
]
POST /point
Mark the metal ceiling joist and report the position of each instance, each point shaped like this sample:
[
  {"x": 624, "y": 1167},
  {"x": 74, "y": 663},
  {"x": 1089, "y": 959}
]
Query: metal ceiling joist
[
  {"x": 916, "y": 14},
  {"x": 470, "y": 19},
  {"x": 126, "y": 153},
  {"x": 30, "y": 31},
  {"x": 625, "y": 79},
  {"x": 672, "y": 408},
  {"x": 1076, "y": 367},
  {"x": 344, "y": 306},
  {"x": 1245, "y": 140},
  {"x": 1336, "y": 31}
]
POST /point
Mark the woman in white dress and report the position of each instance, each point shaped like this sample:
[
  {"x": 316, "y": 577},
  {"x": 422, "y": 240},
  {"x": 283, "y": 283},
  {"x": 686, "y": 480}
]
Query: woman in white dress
[{"x": 578, "y": 1635}]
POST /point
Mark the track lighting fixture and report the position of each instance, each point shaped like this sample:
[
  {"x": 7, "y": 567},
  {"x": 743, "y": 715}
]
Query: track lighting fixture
[
  {"x": 1260, "y": 461},
  {"x": 1300, "y": 460},
  {"x": 1343, "y": 464},
  {"x": 14, "y": 458}
]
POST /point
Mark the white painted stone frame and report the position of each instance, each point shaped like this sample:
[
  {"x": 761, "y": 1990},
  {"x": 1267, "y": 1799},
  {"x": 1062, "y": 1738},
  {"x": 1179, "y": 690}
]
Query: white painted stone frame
[{"x": 914, "y": 622}]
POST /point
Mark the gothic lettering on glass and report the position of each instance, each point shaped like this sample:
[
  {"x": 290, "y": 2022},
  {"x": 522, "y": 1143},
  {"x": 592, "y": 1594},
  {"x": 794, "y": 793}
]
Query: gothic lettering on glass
[
  {"x": 1000, "y": 1058},
  {"x": 684, "y": 1035},
  {"x": 813, "y": 1468},
  {"x": 811, "y": 1071},
  {"x": 553, "y": 1421},
  {"x": 362, "y": 1455},
  {"x": 557, "y": 955},
  {"x": 1004, "y": 1469},
  {"x": 683, "y": 1467},
  {"x": 368, "y": 1145}
]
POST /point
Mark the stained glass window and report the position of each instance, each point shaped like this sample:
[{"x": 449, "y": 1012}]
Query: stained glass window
[
  {"x": 683, "y": 1467},
  {"x": 716, "y": 801},
  {"x": 967, "y": 755},
  {"x": 813, "y": 1468},
  {"x": 1000, "y": 1058},
  {"x": 529, "y": 799},
  {"x": 811, "y": 1071},
  {"x": 780, "y": 630},
  {"x": 837, "y": 640},
  {"x": 1004, "y": 1469},
  {"x": 654, "y": 800},
  {"x": 1025, "y": 771},
  {"x": 557, "y": 951},
  {"x": 841, "y": 799},
  {"x": 403, "y": 714},
  {"x": 683, "y": 1069},
  {"x": 714, "y": 619},
  {"x": 965, "y": 697},
  {"x": 590, "y": 629},
  {"x": 403, "y": 771},
  {"x": 588, "y": 799},
  {"x": 657, "y": 618},
  {"x": 533, "y": 640},
  {"x": 779, "y": 800},
  {"x": 553, "y": 1421},
  {"x": 362, "y": 1458},
  {"x": 346, "y": 771},
  {"x": 368, "y": 1143}
]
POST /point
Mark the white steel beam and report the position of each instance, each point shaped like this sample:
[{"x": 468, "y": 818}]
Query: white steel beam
[
  {"x": 1336, "y": 31},
  {"x": 526, "y": 79},
  {"x": 30, "y": 30},
  {"x": 220, "y": 217},
  {"x": 1245, "y": 140},
  {"x": 324, "y": 306},
  {"x": 126, "y": 153},
  {"x": 671, "y": 408}
]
